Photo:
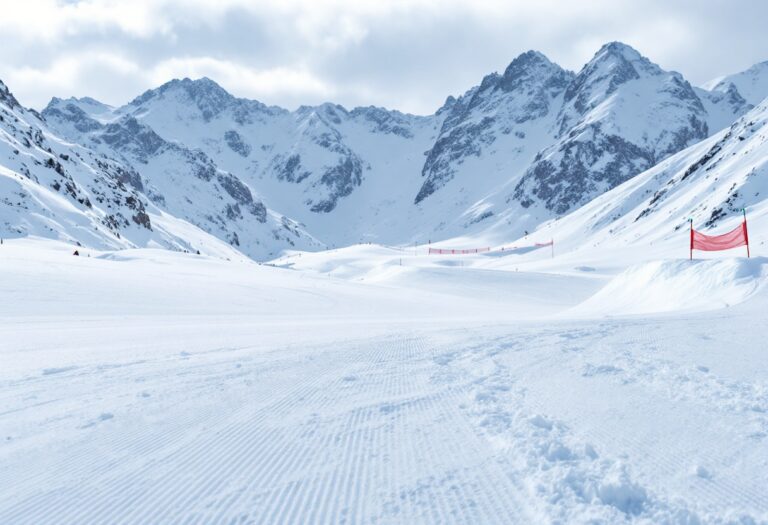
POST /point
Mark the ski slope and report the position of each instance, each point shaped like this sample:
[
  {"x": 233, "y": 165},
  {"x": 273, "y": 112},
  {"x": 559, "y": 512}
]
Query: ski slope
[{"x": 375, "y": 384}]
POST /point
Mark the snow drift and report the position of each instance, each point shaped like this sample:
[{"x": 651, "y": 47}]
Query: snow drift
[{"x": 678, "y": 285}]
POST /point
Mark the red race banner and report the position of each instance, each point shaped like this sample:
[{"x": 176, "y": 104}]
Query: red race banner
[{"x": 712, "y": 243}]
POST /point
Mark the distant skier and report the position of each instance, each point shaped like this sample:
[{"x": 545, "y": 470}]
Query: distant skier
[{"x": 76, "y": 253}]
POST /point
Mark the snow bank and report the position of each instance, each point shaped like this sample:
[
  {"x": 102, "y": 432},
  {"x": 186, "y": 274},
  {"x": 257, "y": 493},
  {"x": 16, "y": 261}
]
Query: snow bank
[{"x": 678, "y": 285}]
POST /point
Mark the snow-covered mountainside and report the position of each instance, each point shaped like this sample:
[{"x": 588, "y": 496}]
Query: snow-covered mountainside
[
  {"x": 55, "y": 189},
  {"x": 710, "y": 182},
  {"x": 504, "y": 113},
  {"x": 620, "y": 116},
  {"x": 578, "y": 136},
  {"x": 185, "y": 182},
  {"x": 722, "y": 106},
  {"x": 345, "y": 174},
  {"x": 521, "y": 148}
]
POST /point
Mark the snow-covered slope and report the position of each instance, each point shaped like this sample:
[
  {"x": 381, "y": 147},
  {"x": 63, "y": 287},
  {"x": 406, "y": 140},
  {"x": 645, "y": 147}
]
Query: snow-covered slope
[
  {"x": 676, "y": 285},
  {"x": 144, "y": 386}
]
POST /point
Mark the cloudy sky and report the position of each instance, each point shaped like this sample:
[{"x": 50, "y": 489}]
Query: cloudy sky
[{"x": 402, "y": 54}]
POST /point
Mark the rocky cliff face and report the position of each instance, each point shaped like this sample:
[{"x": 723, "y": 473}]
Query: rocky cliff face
[{"x": 502, "y": 105}]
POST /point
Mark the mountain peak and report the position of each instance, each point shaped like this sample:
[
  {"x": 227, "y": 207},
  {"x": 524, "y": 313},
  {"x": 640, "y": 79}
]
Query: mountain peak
[
  {"x": 621, "y": 49},
  {"x": 760, "y": 66},
  {"x": 209, "y": 97},
  {"x": 531, "y": 67},
  {"x": 527, "y": 59},
  {"x": 617, "y": 57},
  {"x": 614, "y": 64},
  {"x": 88, "y": 102},
  {"x": 447, "y": 105},
  {"x": 196, "y": 89},
  {"x": 202, "y": 84}
]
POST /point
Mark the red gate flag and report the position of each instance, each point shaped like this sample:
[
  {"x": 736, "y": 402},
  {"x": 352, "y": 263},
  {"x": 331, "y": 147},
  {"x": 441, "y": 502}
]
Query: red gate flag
[{"x": 712, "y": 243}]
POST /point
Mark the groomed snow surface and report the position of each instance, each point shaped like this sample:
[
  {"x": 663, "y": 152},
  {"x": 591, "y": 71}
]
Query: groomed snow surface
[{"x": 373, "y": 384}]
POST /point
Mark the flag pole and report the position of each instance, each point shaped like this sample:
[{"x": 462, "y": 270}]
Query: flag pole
[
  {"x": 690, "y": 252},
  {"x": 746, "y": 236}
]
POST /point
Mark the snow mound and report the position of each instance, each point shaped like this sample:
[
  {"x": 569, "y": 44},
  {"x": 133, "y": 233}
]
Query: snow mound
[{"x": 678, "y": 285}]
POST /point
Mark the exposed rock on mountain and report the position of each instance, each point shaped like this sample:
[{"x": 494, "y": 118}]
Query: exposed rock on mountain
[{"x": 621, "y": 115}]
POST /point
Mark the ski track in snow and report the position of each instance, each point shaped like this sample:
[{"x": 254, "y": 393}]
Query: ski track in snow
[
  {"x": 452, "y": 426},
  {"x": 334, "y": 458}
]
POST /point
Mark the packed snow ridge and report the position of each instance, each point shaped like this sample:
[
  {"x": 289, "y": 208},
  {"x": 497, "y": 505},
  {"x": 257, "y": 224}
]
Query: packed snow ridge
[{"x": 679, "y": 285}]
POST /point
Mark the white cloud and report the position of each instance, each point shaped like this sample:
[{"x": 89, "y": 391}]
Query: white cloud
[
  {"x": 49, "y": 20},
  {"x": 406, "y": 54},
  {"x": 79, "y": 74}
]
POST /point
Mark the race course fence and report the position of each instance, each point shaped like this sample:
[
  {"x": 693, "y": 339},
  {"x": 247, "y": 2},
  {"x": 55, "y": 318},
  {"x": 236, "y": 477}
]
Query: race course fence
[{"x": 447, "y": 251}]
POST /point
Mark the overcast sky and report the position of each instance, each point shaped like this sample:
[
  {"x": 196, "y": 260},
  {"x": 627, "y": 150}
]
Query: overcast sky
[{"x": 401, "y": 54}]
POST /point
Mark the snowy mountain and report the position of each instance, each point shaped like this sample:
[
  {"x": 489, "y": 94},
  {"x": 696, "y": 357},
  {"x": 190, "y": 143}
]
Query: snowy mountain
[
  {"x": 509, "y": 108},
  {"x": 184, "y": 182},
  {"x": 311, "y": 153},
  {"x": 752, "y": 84},
  {"x": 621, "y": 114},
  {"x": 522, "y": 147},
  {"x": 55, "y": 189},
  {"x": 579, "y": 135},
  {"x": 335, "y": 170}
]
